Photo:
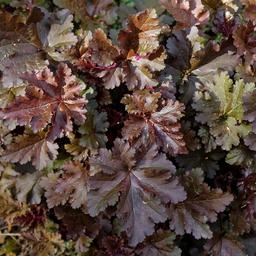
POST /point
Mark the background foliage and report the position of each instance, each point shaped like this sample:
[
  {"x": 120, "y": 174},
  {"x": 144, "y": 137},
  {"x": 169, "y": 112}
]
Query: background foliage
[{"x": 127, "y": 127}]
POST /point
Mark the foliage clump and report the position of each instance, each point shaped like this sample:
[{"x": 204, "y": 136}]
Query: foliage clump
[{"x": 127, "y": 127}]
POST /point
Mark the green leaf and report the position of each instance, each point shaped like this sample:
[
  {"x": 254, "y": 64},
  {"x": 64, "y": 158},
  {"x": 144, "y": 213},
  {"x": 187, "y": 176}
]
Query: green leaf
[
  {"x": 219, "y": 104},
  {"x": 7, "y": 95},
  {"x": 227, "y": 133},
  {"x": 241, "y": 156}
]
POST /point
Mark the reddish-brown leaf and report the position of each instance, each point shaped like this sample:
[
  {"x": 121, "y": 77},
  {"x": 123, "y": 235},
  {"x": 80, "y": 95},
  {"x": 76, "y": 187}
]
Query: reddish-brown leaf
[
  {"x": 142, "y": 180},
  {"x": 35, "y": 148},
  {"x": 186, "y": 12},
  {"x": 69, "y": 185},
  {"x": 141, "y": 36},
  {"x": 224, "y": 245},
  {"x": 97, "y": 53},
  {"x": 202, "y": 206},
  {"x": 49, "y": 99},
  {"x": 245, "y": 42},
  {"x": 152, "y": 124}
]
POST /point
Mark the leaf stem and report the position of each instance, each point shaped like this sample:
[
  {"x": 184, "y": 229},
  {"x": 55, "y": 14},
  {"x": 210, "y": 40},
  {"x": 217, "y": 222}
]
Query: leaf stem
[{"x": 10, "y": 234}]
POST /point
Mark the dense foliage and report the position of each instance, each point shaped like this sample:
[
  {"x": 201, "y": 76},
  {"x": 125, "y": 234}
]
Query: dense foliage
[{"x": 128, "y": 127}]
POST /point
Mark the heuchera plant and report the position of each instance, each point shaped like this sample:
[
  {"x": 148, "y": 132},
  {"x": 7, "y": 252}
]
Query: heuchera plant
[{"x": 128, "y": 128}]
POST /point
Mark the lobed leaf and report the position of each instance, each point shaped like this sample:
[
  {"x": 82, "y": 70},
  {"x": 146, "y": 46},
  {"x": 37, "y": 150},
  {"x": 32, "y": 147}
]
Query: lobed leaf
[
  {"x": 202, "y": 206},
  {"x": 136, "y": 186},
  {"x": 35, "y": 148},
  {"x": 225, "y": 100},
  {"x": 150, "y": 124},
  {"x": 226, "y": 245},
  {"x": 49, "y": 99},
  {"x": 160, "y": 244},
  {"x": 71, "y": 186},
  {"x": 186, "y": 13}
]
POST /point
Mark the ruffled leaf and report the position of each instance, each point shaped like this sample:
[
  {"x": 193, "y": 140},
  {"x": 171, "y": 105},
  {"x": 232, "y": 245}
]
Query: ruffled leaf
[
  {"x": 70, "y": 186},
  {"x": 35, "y": 148},
  {"x": 220, "y": 106},
  {"x": 49, "y": 99},
  {"x": 186, "y": 13},
  {"x": 151, "y": 124},
  {"x": 137, "y": 186},
  {"x": 202, "y": 206},
  {"x": 224, "y": 245}
]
